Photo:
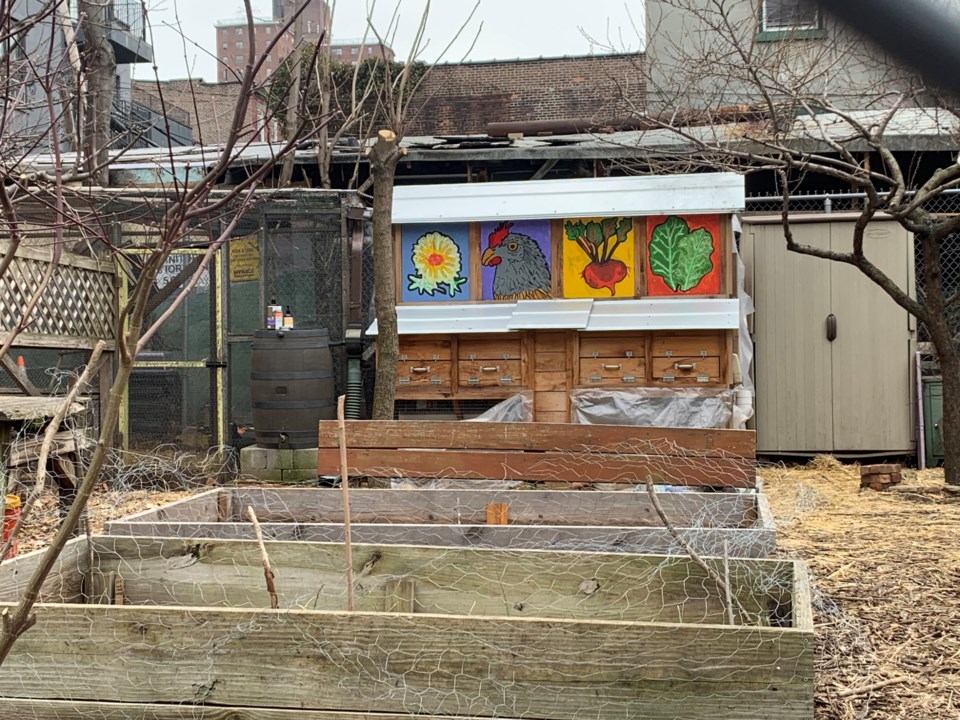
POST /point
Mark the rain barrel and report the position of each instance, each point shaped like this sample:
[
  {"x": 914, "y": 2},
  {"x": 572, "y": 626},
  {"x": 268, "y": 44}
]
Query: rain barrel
[{"x": 291, "y": 386}]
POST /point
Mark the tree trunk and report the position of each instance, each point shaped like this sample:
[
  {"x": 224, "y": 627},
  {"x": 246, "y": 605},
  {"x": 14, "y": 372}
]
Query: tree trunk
[
  {"x": 293, "y": 99},
  {"x": 947, "y": 354},
  {"x": 101, "y": 68},
  {"x": 384, "y": 156}
]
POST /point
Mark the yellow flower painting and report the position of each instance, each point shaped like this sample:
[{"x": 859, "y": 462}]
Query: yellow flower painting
[{"x": 437, "y": 264}]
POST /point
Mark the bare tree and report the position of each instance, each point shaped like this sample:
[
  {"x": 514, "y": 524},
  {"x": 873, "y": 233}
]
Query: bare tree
[
  {"x": 182, "y": 209},
  {"x": 814, "y": 106}
]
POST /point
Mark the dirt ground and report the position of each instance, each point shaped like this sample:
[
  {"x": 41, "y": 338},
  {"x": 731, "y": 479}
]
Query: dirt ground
[
  {"x": 886, "y": 583},
  {"x": 886, "y": 579}
]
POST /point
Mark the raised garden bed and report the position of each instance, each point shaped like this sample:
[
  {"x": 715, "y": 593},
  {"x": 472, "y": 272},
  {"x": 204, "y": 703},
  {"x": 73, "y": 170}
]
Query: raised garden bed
[
  {"x": 456, "y": 632},
  {"x": 737, "y": 524}
]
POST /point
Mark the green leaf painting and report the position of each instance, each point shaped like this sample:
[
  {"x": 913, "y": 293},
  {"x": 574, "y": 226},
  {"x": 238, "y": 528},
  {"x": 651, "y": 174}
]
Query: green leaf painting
[{"x": 680, "y": 256}]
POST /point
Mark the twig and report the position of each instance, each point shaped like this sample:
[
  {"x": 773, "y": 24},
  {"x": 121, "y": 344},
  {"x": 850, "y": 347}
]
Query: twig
[
  {"x": 711, "y": 573},
  {"x": 265, "y": 559},
  {"x": 345, "y": 487},
  {"x": 853, "y": 692}
]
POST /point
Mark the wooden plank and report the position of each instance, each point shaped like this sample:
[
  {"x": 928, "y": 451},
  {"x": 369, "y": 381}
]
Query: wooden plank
[
  {"x": 498, "y": 514},
  {"x": 490, "y": 373},
  {"x": 450, "y": 580},
  {"x": 542, "y": 466},
  {"x": 620, "y": 372},
  {"x": 527, "y": 507},
  {"x": 550, "y": 381},
  {"x": 537, "y": 436},
  {"x": 63, "y": 582},
  {"x": 18, "y": 375},
  {"x": 58, "y": 342},
  {"x": 204, "y": 505},
  {"x": 551, "y": 401},
  {"x": 802, "y": 602},
  {"x": 494, "y": 347},
  {"x": 553, "y": 417},
  {"x": 424, "y": 374},
  {"x": 613, "y": 346},
  {"x": 685, "y": 370},
  {"x": 550, "y": 342},
  {"x": 424, "y": 348},
  {"x": 93, "y": 710},
  {"x": 756, "y": 542},
  {"x": 550, "y": 362},
  {"x": 399, "y": 595},
  {"x": 565, "y": 670},
  {"x": 687, "y": 345}
]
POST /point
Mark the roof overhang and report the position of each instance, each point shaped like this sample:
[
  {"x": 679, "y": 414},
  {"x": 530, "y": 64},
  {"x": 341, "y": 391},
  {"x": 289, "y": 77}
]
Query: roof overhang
[
  {"x": 573, "y": 314},
  {"x": 586, "y": 197}
]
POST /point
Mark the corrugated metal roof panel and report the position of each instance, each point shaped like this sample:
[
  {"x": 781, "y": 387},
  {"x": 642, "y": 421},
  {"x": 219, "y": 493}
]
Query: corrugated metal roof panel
[
  {"x": 665, "y": 314},
  {"x": 580, "y": 197},
  {"x": 583, "y": 314}
]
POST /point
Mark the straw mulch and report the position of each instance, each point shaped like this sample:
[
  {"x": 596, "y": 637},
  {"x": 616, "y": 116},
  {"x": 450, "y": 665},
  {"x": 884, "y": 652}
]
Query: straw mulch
[{"x": 886, "y": 580}]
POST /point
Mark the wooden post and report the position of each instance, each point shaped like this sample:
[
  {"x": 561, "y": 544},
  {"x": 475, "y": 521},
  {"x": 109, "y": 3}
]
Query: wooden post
[
  {"x": 345, "y": 486},
  {"x": 498, "y": 514}
]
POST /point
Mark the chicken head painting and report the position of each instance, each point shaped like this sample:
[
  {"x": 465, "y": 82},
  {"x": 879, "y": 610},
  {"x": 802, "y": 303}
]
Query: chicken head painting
[
  {"x": 516, "y": 260},
  {"x": 435, "y": 262}
]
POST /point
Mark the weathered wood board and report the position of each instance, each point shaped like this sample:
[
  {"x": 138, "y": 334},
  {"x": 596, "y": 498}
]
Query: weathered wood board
[
  {"x": 553, "y": 519},
  {"x": 541, "y": 452},
  {"x": 500, "y": 643}
]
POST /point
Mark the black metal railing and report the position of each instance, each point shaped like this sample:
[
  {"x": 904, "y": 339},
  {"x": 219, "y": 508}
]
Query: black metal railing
[{"x": 129, "y": 15}]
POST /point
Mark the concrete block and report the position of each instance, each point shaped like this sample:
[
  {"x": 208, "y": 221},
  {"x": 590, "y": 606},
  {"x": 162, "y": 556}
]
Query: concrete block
[
  {"x": 299, "y": 475},
  {"x": 305, "y": 459},
  {"x": 257, "y": 458}
]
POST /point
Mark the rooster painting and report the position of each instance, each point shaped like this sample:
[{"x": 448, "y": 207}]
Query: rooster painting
[{"x": 521, "y": 271}]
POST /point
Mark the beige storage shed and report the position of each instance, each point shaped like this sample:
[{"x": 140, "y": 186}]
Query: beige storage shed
[{"x": 833, "y": 360}]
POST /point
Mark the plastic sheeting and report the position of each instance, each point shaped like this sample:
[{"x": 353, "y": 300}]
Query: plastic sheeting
[
  {"x": 516, "y": 408},
  {"x": 659, "y": 407}
]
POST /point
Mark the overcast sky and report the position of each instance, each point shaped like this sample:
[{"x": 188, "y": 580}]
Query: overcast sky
[{"x": 510, "y": 29}]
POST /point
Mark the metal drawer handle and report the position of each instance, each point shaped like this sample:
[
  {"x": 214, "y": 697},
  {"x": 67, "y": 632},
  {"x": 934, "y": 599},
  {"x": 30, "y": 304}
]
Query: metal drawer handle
[
  {"x": 420, "y": 370},
  {"x": 611, "y": 367},
  {"x": 490, "y": 368},
  {"x": 684, "y": 366}
]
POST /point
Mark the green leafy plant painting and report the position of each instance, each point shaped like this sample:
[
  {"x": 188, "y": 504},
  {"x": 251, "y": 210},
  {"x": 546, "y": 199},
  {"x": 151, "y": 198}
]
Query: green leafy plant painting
[{"x": 681, "y": 257}]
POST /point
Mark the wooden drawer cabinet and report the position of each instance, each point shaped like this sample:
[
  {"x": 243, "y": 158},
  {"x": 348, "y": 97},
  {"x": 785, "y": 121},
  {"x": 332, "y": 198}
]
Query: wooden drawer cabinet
[
  {"x": 424, "y": 374},
  {"x": 424, "y": 349},
  {"x": 489, "y": 373},
  {"x": 692, "y": 359},
  {"x": 488, "y": 348},
  {"x": 613, "y": 346},
  {"x": 604, "y": 372}
]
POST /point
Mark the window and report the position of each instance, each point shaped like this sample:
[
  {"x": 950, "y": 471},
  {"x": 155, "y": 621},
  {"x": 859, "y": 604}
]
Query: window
[
  {"x": 353, "y": 51},
  {"x": 239, "y": 59},
  {"x": 338, "y": 52},
  {"x": 269, "y": 30},
  {"x": 269, "y": 59},
  {"x": 239, "y": 31},
  {"x": 225, "y": 59},
  {"x": 239, "y": 44},
  {"x": 780, "y": 15},
  {"x": 225, "y": 46}
]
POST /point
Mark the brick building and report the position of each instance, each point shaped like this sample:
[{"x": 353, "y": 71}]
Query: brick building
[
  {"x": 465, "y": 97},
  {"x": 210, "y": 107},
  {"x": 351, "y": 51}
]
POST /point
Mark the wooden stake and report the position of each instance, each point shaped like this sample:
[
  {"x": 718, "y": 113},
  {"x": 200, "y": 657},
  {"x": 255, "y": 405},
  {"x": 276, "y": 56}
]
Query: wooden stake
[
  {"x": 265, "y": 559},
  {"x": 345, "y": 486}
]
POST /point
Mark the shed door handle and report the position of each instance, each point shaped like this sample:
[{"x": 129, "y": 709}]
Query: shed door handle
[
  {"x": 831, "y": 327},
  {"x": 607, "y": 366},
  {"x": 685, "y": 366},
  {"x": 420, "y": 370},
  {"x": 490, "y": 368}
]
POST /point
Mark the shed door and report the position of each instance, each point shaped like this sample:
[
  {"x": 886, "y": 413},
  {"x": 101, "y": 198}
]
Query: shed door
[
  {"x": 872, "y": 398},
  {"x": 792, "y": 359}
]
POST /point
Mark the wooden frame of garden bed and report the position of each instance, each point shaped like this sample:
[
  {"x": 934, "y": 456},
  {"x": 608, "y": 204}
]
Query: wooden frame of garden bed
[
  {"x": 438, "y": 631},
  {"x": 541, "y": 452},
  {"x": 534, "y": 519}
]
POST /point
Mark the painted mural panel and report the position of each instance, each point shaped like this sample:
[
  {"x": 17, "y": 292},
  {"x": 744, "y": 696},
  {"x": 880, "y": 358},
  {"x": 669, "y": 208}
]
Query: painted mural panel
[
  {"x": 599, "y": 259},
  {"x": 683, "y": 255},
  {"x": 435, "y": 262},
  {"x": 515, "y": 257}
]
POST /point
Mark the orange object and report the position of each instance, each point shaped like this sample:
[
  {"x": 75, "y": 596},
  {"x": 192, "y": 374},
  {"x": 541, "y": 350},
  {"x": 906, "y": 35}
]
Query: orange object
[
  {"x": 11, "y": 513},
  {"x": 20, "y": 362}
]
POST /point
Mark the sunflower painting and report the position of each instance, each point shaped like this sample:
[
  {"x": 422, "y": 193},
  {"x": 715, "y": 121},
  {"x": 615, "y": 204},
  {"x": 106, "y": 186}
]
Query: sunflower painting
[{"x": 435, "y": 261}]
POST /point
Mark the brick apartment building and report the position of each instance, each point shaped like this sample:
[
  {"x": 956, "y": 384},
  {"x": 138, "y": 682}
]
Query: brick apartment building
[{"x": 233, "y": 38}]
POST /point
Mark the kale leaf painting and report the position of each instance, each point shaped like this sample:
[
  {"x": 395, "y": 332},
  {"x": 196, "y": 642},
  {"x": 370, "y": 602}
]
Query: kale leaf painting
[
  {"x": 679, "y": 255},
  {"x": 438, "y": 266}
]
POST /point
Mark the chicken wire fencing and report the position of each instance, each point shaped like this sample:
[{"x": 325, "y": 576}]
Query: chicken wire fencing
[{"x": 444, "y": 610}]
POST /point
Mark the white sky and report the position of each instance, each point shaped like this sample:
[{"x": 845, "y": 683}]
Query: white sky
[{"x": 510, "y": 29}]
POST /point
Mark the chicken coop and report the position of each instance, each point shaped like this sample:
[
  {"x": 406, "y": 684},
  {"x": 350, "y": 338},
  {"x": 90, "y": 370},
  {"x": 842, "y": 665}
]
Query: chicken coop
[{"x": 607, "y": 300}]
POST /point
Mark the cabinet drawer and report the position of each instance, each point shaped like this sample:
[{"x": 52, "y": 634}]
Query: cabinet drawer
[
  {"x": 489, "y": 373},
  {"x": 495, "y": 348},
  {"x": 687, "y": 346},
  {"x": 623, "y": 346},
  {"x": 686, "y": 370},
  {"x": 424, "y": 349},
  {"x": 423, "y": 373},
  {"x": 602, "y": 372}
]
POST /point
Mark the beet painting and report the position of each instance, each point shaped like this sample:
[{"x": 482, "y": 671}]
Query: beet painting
[
  {"x": 683, "y": 255},
  {"x": 434, "y": 262},
  {"x": 515, "y": 258},
  {"x": 598, "y": 258}
]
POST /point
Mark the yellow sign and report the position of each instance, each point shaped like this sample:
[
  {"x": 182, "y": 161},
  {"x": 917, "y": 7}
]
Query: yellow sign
[
  {"x": 598, "y": 258},
  {"x": 244, "y": 259}
]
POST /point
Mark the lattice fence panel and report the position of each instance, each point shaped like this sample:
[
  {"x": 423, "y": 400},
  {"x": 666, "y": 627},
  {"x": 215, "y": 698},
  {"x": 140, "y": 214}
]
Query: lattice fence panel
[{"x": 79, "y": 301}]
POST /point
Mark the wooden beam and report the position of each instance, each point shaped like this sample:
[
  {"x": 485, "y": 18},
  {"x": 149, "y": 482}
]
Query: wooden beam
[
  {"x": 571, "y": 467},
  {"x": 19, "y": 375},
  {"x": 541, "y": 437},
  {"x": 361, "y": 662}
]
